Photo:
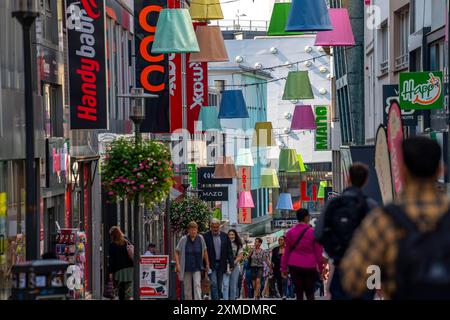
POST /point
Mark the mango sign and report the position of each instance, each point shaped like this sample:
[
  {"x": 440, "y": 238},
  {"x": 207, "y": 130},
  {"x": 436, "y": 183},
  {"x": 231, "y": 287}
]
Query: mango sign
[
  {"x": 421, "y": 90},
  {"x": 322, "y": 141}
]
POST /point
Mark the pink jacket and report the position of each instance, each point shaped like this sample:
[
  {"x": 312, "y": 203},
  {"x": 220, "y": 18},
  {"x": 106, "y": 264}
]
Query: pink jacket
[{"x": 307, "y": 254}]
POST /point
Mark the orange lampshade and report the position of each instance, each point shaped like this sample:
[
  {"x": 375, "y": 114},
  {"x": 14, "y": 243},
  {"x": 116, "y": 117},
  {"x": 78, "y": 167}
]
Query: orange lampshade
[
  {"x": 212, "y": 45},
  {"x": 224, "y": 168}
]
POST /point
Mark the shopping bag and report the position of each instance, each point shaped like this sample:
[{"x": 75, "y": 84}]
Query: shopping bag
[{"x": 109, "y": 289}]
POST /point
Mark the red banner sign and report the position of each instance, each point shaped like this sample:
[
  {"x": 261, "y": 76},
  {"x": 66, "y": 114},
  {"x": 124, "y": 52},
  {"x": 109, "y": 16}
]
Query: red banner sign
[{"x": 245, "y": 184}]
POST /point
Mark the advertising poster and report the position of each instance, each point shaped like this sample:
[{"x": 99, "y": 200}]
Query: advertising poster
[
  {"x": 383, "y": 165},
  {"x": 395, "y": 138},
  {"x": 154, "y": 277},
  {"x": 421, "y": 90}
]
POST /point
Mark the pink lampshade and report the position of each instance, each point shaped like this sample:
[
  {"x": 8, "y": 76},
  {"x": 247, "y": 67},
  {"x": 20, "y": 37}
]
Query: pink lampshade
[
  {"x": 303, "y": 118},
  {"x": 342, "y": 33},
  {"x": 245, "y": 200}
]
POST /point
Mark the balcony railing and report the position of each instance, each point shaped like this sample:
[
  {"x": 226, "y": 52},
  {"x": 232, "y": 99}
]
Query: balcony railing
[
  {"x": 384, "y": 67},
  {"x": 242, "y": 25},
  {"x": 402, "y": 61}
]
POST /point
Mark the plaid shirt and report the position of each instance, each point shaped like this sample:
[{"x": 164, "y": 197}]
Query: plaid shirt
[{"x": 376, "y": 241}]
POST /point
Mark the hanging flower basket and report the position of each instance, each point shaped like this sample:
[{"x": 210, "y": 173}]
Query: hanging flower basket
[
  {"x": 187, "y": 209},
  {"x": 146, "y": 169}
]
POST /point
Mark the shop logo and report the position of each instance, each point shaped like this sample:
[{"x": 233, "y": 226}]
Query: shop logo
[
  {"x": 424, "y": 94},
  {"x": 91, "y": 8},
  {"x": 199, "y": 89},
  {"x": 172, "y": 74}
]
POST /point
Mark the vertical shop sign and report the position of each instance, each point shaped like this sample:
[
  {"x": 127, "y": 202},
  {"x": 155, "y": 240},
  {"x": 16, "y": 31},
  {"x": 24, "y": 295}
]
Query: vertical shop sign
[
  {"x": 245, "y": 184},
  {"x": 192, "y": 176},
  {"x": 395, "y": 139},
  {"x": 421, "y": 90},
  {"x": 322, "y": 138},
  {"x": 383, "y": 165},
  {"x": 152, "y": 71},
  {"x": 85, "y": 21},
  {"x": 2, "y": 228}
]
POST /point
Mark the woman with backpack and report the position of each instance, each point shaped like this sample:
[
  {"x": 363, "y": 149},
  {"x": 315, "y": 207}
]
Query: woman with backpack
[
  {"x": 121, "y": 263},
  {"x": 302, "y": 257},
  {"x": 257, "y": 257},
  {"x": 231, "y": 278}
]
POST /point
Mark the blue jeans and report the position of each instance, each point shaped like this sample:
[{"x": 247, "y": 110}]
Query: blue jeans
[
  {"x": 230, "y": 284},
  {"x": 216, "y": 279},
  {"x": 338, "y": 293}
]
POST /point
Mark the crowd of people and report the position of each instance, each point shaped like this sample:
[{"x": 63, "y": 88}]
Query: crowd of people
[{"x": 353, "y": 235}]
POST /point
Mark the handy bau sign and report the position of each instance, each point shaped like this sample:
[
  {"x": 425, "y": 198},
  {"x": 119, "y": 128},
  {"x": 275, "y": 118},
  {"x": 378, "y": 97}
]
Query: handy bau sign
[
  {"x": 421, "y": 90},
  {"x": 322, "y": 142}
]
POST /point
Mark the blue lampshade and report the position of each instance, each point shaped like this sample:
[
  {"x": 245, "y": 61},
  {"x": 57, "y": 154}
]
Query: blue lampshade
[
  {"x": 233, "y": 105},
  {"x": 285, "y": 202},
  {"x": 208, "y": 119},
  {"x": 309, "y": 15}
]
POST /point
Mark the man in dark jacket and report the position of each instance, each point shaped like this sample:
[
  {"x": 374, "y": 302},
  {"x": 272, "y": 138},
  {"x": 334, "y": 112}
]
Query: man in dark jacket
[{"x": 220, "y": 255}]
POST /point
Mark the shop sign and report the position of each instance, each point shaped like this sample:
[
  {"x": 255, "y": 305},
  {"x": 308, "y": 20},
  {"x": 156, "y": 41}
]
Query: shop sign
[
  {"x": 245, "y": 184},
  {"x": 87, "y": 64},
  {"x": 206, "y": 176},
  {"x": 192, "y": 175},
  {"x": 383, "y": 165},
  {"x": 421, "y": 90},
  {"x": 214, "y": 194},
  {"x": 3, "y": 228},
  {"x": 322, "y": 138},
  {"x": 154, "y": 277},
  {"x": 152, "y": 71},
  {"x": 391, "y": 94},
  {"x": 284, "y": 223},
  {"x": 395, "y": 139}
]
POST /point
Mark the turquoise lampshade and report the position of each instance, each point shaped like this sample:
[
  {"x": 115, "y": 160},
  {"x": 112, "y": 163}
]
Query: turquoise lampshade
[
  {"x": 175, "y": 33},
  {"x": 309, "y": 15},
  {"x": 244, "y": 158},
  {"x": 298, "y": 86},
  {"x": 208, "y": 119},
  {"x": 285, "y": 202},
  {"x": 288, "y": 161}
]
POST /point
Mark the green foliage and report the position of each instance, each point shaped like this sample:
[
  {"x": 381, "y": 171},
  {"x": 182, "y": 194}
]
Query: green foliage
[
  {"x": 189, "y": 209},
  {"x": 145, "y": 169}
]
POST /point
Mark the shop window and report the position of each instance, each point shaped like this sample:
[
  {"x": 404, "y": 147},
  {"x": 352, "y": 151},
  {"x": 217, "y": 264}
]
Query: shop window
[{"x": 53, "y": 115}]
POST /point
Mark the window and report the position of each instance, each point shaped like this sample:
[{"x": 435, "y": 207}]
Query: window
[
  {"x": 384, "y": 38},
  {"x": 402, "y": 54},
  {"x": 53, "y": 111},
  {"x": 48, "y": 22}
]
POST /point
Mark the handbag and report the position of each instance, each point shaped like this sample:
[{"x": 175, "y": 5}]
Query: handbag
[
  {"x": 130, "y": 249},
  {"x": 109, "y": 288}
]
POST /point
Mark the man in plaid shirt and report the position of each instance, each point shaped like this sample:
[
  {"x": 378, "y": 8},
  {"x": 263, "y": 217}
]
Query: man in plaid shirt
[{"x": 376, "y": 241}]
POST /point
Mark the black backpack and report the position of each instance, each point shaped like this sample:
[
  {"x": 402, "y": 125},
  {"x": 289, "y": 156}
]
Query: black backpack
[
  {"x": 423, "y": 261},
  {"x": 343, "y": 216}
]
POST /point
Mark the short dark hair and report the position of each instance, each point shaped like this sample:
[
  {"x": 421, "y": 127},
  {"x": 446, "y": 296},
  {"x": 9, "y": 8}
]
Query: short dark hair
[
  {"x": 358, "y": 174},
  {"x": 421, "y": 156},
  {"x": 152, "y": 245},
  {"x": 259, "y": 240},
  {"x": 302, "y": 214}
]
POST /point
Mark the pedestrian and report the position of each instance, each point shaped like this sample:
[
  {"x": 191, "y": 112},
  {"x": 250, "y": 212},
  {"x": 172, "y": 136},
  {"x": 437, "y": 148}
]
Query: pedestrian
[
  {"x": 257, "y": 257},
  {"x": 231, "y": 277},
  {"x": 220, "y": 254},
  {"x": 338, "y": 222},
  {"x": 120, "y": 263},
  {"x": 151, "y": 250},
  {"x": 302, "y": 257},
  {"x": 189, "y": 257},
  {"x": 407, "y": 241},
  {"x": 277, "y": 254}
]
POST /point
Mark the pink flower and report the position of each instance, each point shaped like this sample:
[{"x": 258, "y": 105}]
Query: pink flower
[
  {"x": 111, "y": 193},
  {"x": 160, "y": 170},
  {"x": 134, "y": 188},
  {"x": 125, "y": 162},
  {"x": 159, "y": 163},
  {"x": 133, "y": 182},
  {"x": 142, "y": 186}
]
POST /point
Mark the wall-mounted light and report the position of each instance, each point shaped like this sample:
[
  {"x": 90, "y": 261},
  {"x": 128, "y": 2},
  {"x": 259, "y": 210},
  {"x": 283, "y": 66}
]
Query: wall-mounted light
[
  {"x": 289, "y": 64},
  {"x": 321, "y": 49},
  {"x": 287, "y": 115},
  {"x": 323, "y": 91},
  {"x": 329, "y": 76},
  {"x": 239, "y": 59},
  {"x": 294, "y": 101},
  {"x": 323, "y": 69},
  {"x": 308, "y": 49},
  {"x": 287, "y": 130},
  {"x": 258, "y": 65},
  {"x": 308, "y": 64},
  {"x": 273, "y": 50}
]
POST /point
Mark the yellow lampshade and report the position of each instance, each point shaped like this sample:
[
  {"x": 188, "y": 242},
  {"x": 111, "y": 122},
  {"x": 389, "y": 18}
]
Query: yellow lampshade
[
  {"x": 206, "y": 10},
  {"x": 263, "y": 136},
  {"x": 269, "y": 179}
]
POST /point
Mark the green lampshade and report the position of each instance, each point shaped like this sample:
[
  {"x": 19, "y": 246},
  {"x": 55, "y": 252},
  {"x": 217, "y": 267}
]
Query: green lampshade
[
  {"x": 300, "y": 163},
  {"x": 288, "y": 161},
  {"x": 321, "y": 192},
  {"x": 263, "y": 136},
  {"x": 298, "y": 86},
  {"x": 269, "y": 179},
  {"x": 217, "y": 214},
  {"x": 279, "y": 19},
  {"x": 208, "y": 119},
  {"x": 175, "y": 33}
]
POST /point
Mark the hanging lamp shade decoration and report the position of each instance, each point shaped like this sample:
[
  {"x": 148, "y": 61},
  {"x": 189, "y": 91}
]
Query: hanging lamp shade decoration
[
  {"x": 244, "y": 158},
  {"x": 288, "y": 161},
  {"x": 232, "y": 105},
  {"x": 309, "y": 15},
  {"x": 269, "y": 179},
  {"x": 277, "y": 25},
  {"x": 208, "y": 119},
  {"x": 298, "y": 86},
  {"x": 204, "y": 10},
  {"x": 303, "y": 118},
  {"x": 245, "y": 200},
  {"x": 285, "y": 202},
  {"x": 224, "y": 168},
  {"x": 175, "y": 33},
  {"x": 300, "y": 163},
  {"x": 321, "y": 192},
  {"x": 342, "y": 33},
  {"x": 212, "y": 45},
  {"x": 263, "y": 135}
]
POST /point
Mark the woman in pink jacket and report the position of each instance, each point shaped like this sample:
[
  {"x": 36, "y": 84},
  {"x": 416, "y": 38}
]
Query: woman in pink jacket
[{"x": 302, "y": 257}]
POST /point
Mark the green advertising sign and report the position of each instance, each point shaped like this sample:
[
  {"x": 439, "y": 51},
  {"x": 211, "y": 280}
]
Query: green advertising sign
[
  {"x": 322, "y": 142},
  {"x": 421, "y": 90},
  {"x": 192, "y": 176}
]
